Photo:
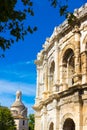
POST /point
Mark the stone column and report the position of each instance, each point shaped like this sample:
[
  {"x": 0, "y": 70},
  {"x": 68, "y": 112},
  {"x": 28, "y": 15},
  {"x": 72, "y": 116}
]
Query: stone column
[
  {"x": 45, "y": 79},
  {"x": 37, "y": 121},
  {"x": 63, "y": 83},
  {"x": 61, "y": 77},
  {"x": 56, "y": 63},
  {"x": 49, "y": 82},
  {"x": 56, "y": 71},
  {"x": 37, "y": 90},
  {"x": 44, "y": 112},
  {"x": 56, "y": 115},
  {"x": 68, "y": 78},
  {"x": 84, "y": 66},
  {"x": 69, "y": 72},
  {"x": 78, "y": 115},
  {"x": 84, "y": 97},
  {"x": 77, "y": 54}
]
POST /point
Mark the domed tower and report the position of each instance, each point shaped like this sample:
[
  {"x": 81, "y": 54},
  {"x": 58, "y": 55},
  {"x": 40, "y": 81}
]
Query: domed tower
[{"x": 19, "y": 112}]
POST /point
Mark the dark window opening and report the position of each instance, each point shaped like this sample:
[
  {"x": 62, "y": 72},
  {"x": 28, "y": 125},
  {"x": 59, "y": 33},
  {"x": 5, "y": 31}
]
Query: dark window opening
[{"x": 23, "y": 122}]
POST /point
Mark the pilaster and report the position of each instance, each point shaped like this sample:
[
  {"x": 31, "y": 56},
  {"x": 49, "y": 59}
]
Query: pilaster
[
  {"x": 84, "y": 66},
  {"x": 84, "y": 97},
  {"x": 45, "y": 93},
  {"x": 56, "y": 58},
  {"x": 44, "y": 113},
  {"x": 77, "y": 75},
  {"x": 49, "y": 83},
  {"x": 63, "y": 83},
  {"x": 56, "y": 115}
]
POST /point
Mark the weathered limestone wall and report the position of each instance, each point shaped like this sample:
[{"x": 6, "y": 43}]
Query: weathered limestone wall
[{"x": 61, "y": 95}]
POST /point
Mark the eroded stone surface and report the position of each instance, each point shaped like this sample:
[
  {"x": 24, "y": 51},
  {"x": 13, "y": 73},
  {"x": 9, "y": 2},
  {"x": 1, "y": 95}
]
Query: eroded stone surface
[{"x": 61, "y": 95}]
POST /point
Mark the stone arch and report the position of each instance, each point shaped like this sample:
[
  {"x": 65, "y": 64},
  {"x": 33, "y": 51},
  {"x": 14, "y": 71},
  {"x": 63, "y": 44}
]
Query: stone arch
[
  {"x": 68, "y": 119},
  {"x": 84, "y": 43},
  {"x": 67, "y": 66},
  {"x": 51, "y": 67},
  {"x": 50, "y": 123},
  {"x": 84, "y": 60},
  {"x": 85, "y": 39},
  {"x": 44, "y": 67},
  {"x": 70, "y": 46},
  {"x": 50, "y": 61},
  {"x": 69, "y": 124},
  {"x": 51, "y": 126}
]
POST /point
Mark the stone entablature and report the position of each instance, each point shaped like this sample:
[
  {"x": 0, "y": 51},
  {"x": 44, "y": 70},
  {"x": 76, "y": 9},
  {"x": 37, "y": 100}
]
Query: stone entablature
[{"x": 61, "y": 95}]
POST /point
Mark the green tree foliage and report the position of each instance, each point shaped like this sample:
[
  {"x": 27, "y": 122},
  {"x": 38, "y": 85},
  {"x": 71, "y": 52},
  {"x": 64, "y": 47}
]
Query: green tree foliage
[
  {"x": 31, "y": 122},
  {"x": 6, "y": 119},
  {"x": 63, "y": 10},
  {"x": 12, "y": 18}
]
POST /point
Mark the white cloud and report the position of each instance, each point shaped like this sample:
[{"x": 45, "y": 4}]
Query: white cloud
[
  {"x": 8, "y": 87},
  {"x": 30, "y": 62},
  {"x": 6, "y": 101},
  {"x": 8, "y": 90},
  {"x": 23, "y": 63},
  {"x": 11, "y": 87}
]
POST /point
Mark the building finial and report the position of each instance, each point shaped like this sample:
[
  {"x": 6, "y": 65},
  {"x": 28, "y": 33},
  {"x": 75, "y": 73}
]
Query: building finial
[{"x": 18, "y": 95}]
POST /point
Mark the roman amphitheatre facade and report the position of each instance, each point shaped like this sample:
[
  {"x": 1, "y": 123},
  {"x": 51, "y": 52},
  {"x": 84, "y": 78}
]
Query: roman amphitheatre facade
[{"x": 61, "y": 94}]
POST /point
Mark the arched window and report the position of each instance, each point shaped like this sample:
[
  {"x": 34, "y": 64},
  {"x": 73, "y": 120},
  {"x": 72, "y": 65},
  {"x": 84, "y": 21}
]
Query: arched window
[
  {"x": 23, "y": 122},
  {"x": 69, "y": 124},
  {"x": 68, "y": 67},
  {"x": 51, "y": 126},
  {"x": 84, "y": 44},
  {"x": 52, "y": 68}
]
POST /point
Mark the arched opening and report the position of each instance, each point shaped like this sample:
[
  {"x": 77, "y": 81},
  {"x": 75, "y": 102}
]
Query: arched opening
[
  {"x": 69, "y": 124},
  {"x": 51, "y": 126},
  {"x": 52, "y": 68},
  {"x": 84, "y": 60},
  {"x": 23, "y": 122},
  {"x": 84, "y": 46},
  {"x": 68, "y": 67}
]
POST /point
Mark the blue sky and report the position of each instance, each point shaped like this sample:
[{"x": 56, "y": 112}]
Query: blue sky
[{"x": 17, "y": 69}]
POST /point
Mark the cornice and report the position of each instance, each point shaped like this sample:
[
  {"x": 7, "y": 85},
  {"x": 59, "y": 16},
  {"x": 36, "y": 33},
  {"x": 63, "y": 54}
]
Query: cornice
[
  {"x": 65, "y": 28},
  {"x": 58, "y": 96}
]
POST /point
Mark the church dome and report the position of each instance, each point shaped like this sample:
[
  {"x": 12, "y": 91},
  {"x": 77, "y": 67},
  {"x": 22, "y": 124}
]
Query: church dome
[
  {"x": 18, "y": 107},
  {"x": 18, "y": 101},
  {"x": 17, "y": 104}
]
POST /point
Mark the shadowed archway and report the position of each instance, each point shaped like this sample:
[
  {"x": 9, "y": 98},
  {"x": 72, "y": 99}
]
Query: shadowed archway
[
  {"x": 69, "y": 124},
  {"x": 51, "y": 126},
  {"x": 68, "y": 67}
]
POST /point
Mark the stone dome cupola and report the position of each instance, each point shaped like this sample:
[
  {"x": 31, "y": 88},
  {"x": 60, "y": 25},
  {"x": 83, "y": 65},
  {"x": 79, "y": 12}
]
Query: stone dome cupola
[
  {"x": 19, "y": 112},
  {"x": 18, "y": 100},
  {"x": 18, "y": 108}
]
